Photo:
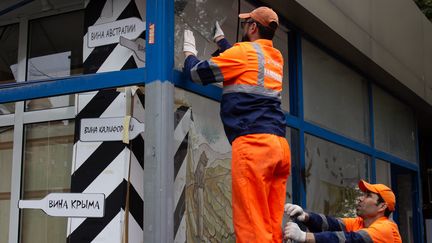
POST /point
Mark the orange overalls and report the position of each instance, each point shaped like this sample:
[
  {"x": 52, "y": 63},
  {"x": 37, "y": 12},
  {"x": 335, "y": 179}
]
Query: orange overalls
[{"x": 254, "y": 123}]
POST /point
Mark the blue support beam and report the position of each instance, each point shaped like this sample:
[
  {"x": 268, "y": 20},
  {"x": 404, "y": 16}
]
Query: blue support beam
[
  {"x": 296, "y": 116},
  {"x": 160, "y": 40},
  {"x": 70, "y": 85},
  {"x": 159, "y": 207},
  {"x": 209, "y": 91}
]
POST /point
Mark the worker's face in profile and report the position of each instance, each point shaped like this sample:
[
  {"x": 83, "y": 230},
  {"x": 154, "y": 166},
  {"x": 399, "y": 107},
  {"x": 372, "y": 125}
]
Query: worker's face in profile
[
  {"x": 368, "y": 205},
  {"x": 246, "y": 24}
]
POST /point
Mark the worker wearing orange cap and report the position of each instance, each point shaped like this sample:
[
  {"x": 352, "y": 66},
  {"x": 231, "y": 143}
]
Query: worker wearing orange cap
[
  {"x": 372, "y": 224},
  {"x": 251, "y": 73}
]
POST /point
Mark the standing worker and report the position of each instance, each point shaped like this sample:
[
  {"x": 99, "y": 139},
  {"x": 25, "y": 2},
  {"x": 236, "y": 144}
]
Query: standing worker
[
  {"x": 372, "y": 224},
  {"x": 251, "y": 72}
]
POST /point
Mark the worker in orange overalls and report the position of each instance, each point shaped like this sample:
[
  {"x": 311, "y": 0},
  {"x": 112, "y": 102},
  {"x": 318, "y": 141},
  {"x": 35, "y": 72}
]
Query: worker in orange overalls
[
  {"x": 251, "y": 72},
  {"x": 372, "y": 224}
]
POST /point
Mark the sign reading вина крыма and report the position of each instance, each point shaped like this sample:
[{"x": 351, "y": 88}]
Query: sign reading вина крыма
[{"x": 69, "y": 204}]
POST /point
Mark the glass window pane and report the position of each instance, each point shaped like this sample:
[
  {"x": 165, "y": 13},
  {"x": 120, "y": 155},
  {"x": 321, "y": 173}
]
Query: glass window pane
[
  {"x": 395, "y": 126},
  {"x": 404, "y": 200},
  {"x": 8, "y": 60},
  {"x": 46, "y": 168},
  {"x": 203, "y": 171},
  {"x": 200, "y": 16},
  {"x": 6, "y": 144},
  {"x": 335, "y": 96},
  {"x": 332, "y": 173},
  {"x": 383, "y": 172},
  {"x": 54, "y": 53}
]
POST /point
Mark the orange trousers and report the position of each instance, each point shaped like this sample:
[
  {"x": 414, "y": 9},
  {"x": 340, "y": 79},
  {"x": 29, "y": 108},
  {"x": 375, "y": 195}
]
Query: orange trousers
[{"x": 261, "y": 164}]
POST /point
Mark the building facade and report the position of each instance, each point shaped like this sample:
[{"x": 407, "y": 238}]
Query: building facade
[{"x": 357, "y": 98}]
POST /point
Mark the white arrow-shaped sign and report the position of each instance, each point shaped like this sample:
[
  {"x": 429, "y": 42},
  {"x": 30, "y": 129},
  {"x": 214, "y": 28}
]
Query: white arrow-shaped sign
[
  {"x": 108, "y": 129},
  {"x": 84, "y": 205},
  {"x": 109, "y": 33}
]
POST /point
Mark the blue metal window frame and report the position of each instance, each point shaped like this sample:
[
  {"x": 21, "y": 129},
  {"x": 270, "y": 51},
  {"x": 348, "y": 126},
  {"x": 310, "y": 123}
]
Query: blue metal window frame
[{"x": 162, "y": 55}]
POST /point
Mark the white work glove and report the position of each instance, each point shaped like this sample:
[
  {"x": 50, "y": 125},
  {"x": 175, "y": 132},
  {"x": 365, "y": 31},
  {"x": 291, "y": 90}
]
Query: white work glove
[
  {"x": 293, "y": 210},
  {"x": 189, "y": 42},
  {"x": 293, "y": 232},
  {"x": 217, "y": 31}
]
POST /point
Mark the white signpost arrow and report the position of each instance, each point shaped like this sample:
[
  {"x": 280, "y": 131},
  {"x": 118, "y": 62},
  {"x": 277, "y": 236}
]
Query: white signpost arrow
[
  {"x": 109, "y": 33},
  {"x": 108, "y": 129},
  {"x": 85, "y": 205}
]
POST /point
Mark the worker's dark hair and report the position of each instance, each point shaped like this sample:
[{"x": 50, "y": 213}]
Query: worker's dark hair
[
  {"x": 267, "y": 32},
  {"x": 387, "y": 211}
]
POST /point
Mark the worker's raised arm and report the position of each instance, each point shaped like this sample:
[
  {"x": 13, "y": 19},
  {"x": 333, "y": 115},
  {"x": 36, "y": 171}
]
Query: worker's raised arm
[
  {"x": 226, "y": 66},
  {"x": 220, "y": 40}
]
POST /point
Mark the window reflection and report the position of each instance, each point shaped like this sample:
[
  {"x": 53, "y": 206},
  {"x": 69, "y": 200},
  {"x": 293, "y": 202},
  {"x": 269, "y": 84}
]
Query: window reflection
[
  {"x": 391, "y": 115},
  {"x": 6, "y": 143},
  {"x": 8, "y": 60},
  {"x": 54, "y": 54},
  {"x": 200, "y": 16},
  {"x": 332, "y": 173},
  {"x": 335, "y": 96},
  {"x": 46, "y": 169}
]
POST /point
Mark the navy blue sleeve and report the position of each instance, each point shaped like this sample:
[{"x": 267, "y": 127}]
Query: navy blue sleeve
[
  {"x": 189, "y": 63},
  {"x": 201, "y": 72},
  {"x": 223, "y": 45},
  {"x": 320, "y": 223},
  {"x": 341, "y": 236}
]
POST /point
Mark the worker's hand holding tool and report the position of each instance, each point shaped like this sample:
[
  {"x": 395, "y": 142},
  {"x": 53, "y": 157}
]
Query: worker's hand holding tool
[
  {"x": 218, "y": 32},
  {"x": 189, "y": 44},
  {"x": 293, "y": 232},
  {"x": 296, "y": 212}
]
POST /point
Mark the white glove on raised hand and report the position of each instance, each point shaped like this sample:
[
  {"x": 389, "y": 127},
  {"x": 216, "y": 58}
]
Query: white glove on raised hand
[
  {"x": 189, "y": 43},
  {"x": 293, "y": 232},
  {"x": 293, "y": 210},
  {"x": 218, "y": 32}
]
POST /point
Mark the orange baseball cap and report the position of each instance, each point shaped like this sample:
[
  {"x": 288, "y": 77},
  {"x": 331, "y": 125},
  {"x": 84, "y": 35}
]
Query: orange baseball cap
[
  {"x": 385, "y": 192},
  {"x": 263, "y": 15}
]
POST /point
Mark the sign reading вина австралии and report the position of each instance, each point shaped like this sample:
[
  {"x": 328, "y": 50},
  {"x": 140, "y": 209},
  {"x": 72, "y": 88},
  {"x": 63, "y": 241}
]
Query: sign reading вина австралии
[{"x": 109, "y": 33}]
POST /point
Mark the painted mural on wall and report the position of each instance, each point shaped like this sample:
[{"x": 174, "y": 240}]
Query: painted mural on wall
[{"x": 207, "y": 190}]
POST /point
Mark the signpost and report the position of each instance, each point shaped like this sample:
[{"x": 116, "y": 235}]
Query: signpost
[
  {"x": 109, "y": 33},
  {"x": 108, "y": 129},
  {"x": 85, "y": 205}
]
